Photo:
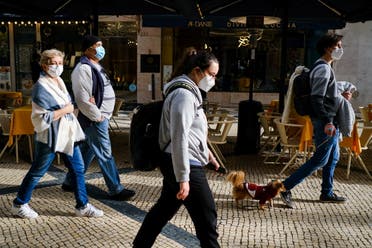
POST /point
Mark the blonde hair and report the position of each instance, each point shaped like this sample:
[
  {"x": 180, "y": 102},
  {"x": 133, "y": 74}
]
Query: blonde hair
[{"x": 47, "y": 55}]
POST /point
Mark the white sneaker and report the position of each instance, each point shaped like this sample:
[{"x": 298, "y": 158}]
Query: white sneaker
[
  {"x": 24, "y": 211},
  {"x": 89, "y": 211}
]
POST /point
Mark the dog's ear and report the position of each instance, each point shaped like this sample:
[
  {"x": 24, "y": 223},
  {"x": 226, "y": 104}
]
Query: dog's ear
[{"x": 276, "y": 184}]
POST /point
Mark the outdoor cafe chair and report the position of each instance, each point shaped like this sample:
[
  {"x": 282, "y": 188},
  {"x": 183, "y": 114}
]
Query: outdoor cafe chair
[
  {"x": 269, "y": 135},
  {"x": 290, "y": 138},
  {"x": 365, "y": 140},
  {"x": 115, "y": 113},
  {"x": 214, "y": 139}
]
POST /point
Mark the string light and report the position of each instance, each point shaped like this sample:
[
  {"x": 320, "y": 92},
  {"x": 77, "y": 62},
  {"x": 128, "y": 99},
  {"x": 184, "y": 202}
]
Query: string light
[{"x": 32, "y": 23}]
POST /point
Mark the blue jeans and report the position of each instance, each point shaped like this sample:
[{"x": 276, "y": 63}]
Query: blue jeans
[
  {"x": 98, "y": 144},
  {"x": 43, "y": 158},
  {"x": 326, "y": 156}
]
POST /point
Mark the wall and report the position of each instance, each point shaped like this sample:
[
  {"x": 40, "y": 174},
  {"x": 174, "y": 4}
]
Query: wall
[
  {"x": 149, "y": 42},
  {"x": 356, "y": 63},
  {"x": 355, "y": 66}
]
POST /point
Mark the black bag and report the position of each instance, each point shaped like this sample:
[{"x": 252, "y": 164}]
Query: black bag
[
  {"x": 302, "y": 91},
  {"x": 144, "y": 146}
]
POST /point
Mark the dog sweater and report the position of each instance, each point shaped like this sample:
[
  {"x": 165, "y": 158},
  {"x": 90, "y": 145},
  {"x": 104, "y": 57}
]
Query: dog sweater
[{"x": 259, "y": 192}]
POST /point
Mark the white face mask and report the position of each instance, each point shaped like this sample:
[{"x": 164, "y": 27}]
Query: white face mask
[
  {"x": 207, "y": 83},
  {"x": 55, "y": 70},
  {"x": 337, "y": 53}
]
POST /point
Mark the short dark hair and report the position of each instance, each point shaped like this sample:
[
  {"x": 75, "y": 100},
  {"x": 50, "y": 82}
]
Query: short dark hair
[{"x": 327, "y": 41}]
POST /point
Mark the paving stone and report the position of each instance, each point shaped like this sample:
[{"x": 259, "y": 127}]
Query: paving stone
[{"x": 310, "y": 224}]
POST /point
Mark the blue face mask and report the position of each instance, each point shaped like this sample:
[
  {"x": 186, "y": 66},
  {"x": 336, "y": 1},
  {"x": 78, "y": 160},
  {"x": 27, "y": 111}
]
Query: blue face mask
[{"x": 100, "y": 52}]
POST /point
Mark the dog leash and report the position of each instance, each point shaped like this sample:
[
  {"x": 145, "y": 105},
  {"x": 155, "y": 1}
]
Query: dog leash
[{"x": 325, "y": 141}]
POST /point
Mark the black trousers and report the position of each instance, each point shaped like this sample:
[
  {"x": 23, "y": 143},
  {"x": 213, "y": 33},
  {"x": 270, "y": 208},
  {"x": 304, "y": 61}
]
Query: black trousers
[{"x": 199, "y": 204}]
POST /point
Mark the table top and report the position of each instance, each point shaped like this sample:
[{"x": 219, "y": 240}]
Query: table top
[
  {"x": 10, "y": 99},
  {"x": 11, "y": 94}
]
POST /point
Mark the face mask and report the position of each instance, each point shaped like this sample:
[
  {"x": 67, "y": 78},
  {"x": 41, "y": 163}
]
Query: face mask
[
  {"x": 100, "y": 52},
  {"x": 207, "y": 83},
  {"x": 337, "y": 53},
  {"x": 55, "y": 70}
]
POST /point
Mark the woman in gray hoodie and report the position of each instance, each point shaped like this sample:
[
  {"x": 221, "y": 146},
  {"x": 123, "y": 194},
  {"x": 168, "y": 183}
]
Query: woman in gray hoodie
[{"x": 183, "y": 136}]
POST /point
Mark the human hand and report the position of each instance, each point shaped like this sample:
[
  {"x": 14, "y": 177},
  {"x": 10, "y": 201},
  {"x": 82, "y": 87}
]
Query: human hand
[
  {"x": 102, "y": 118},
  {"x": 347, "y": 94},
  {"x": 69, "y": 108},
  {"x": 213, "y": 161},
  {"x": 92, "y": 100},
  {"x": 330, "y": 129},
  {"x": 184, "y": 191}
]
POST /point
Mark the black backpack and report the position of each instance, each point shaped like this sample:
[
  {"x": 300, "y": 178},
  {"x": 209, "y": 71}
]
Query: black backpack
[
  {"x": 145, "y": 151},
  {"x": 302, "y": 91}
]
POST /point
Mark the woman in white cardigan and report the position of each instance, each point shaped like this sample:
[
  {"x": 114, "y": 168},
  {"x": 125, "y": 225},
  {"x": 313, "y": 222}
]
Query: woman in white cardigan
[{"x": 56, "y": 130}]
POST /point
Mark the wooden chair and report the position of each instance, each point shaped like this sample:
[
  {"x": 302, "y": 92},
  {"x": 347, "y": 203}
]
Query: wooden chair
[
  {"x": 365, "y": 139},
  {"x": 215, "y": 128},
  {"x": 365, "y": 111},
  {"x": 290, "y": 137},
  {"x": 269, "y": 136},
  {"x": 115, "y": 113},
  {"x": 5, "y": 122},
  {"x": 215, "y": 139}
]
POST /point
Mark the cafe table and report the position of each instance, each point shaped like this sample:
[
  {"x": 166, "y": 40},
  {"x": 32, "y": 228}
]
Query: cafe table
[
  {"x": 306, "y": 139},
  {"x": 14, "y": 97},
  {"x": 21, "y": 125}
]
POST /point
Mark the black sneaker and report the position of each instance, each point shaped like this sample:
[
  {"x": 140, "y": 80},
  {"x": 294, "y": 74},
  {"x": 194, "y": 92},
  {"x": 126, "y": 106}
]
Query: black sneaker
[
  {"x": 68, "y": 188},
  {"x": 332, "y": 198},
  {"x": 124, "y": 195},
  {"x": 287, "y": 198}
]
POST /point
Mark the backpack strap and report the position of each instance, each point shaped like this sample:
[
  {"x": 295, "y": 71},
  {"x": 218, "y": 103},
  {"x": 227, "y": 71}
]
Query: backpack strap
[
  {"x": 323, "y": 62},
  {"x": 183, "y": 85}
]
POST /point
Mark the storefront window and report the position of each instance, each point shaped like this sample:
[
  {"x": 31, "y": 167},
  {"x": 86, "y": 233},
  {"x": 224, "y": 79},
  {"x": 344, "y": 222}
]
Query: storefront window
[
  {"x": 120, "y": 41},
  {"x": 4, "y": 59},
  {"x": 66, "y": 37},
  {"x": 241, "y": 65},
  {"x": 24, "y": 37}
]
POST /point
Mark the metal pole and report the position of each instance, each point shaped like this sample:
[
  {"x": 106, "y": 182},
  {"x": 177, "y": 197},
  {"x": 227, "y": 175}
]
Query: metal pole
[{"x": 283, "y": 62}]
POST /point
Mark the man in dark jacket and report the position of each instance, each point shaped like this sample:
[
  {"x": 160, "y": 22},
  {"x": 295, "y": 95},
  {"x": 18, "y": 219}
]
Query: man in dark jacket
[
  {"x": 326, "y": 134},
  {"x": 95, "y": 99}
]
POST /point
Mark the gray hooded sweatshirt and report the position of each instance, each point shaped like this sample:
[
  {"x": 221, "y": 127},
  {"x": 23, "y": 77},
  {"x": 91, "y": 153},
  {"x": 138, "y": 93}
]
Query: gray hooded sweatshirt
[{"x": 183, "y": 122}]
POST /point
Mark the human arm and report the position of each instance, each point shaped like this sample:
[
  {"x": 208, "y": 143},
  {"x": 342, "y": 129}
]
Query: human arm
[
  {"x": 213, "y": 161},
  {"x": 68, "y": 108},
  {"x": 82, "y": 85},
  {"x": 181, "y": 116},
  {"x": 323, "y": 96}
]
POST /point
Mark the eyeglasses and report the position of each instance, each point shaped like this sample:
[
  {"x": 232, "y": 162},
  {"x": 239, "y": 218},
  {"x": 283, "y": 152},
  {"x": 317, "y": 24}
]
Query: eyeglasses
[{"x": 210, "y": 74}]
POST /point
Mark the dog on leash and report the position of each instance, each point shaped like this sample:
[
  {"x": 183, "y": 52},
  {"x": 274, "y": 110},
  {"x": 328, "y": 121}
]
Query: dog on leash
[{"x": 243, "y": 189}]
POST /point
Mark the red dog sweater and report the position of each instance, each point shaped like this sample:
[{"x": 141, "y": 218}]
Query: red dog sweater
[{"x": 259, "y": 192}]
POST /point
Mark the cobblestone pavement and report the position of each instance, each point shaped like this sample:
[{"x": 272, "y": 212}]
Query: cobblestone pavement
[{"x": 310, "y": 224}]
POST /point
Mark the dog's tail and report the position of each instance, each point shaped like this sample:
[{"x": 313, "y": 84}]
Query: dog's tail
[{"x": 237, "y": 178}]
